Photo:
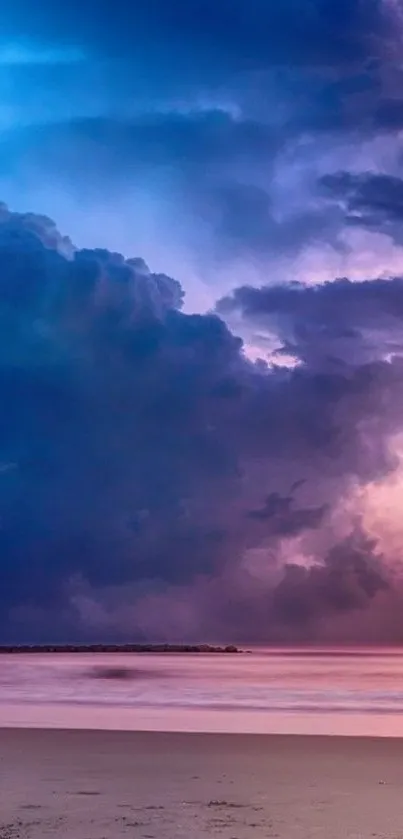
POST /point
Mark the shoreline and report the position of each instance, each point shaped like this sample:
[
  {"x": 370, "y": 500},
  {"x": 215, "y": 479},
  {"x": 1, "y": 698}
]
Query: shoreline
[
  {"x": 189, "y": 721},
  {"x": 199, "y": 737}
]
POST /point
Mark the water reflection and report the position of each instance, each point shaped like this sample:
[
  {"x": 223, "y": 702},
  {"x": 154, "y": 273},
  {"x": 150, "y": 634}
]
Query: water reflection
[{"x": 305, "y": 691}]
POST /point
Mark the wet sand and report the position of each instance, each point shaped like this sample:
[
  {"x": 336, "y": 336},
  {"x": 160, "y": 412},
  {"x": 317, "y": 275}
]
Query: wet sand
[{"x": 104, "y": 785}]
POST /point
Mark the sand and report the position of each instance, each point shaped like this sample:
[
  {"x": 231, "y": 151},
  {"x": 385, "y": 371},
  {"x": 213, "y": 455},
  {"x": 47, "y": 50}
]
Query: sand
[{"x": 102, "y": 785}]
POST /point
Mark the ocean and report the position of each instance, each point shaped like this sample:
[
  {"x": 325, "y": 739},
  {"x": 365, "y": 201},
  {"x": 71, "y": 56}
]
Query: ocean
[{"x": 348, "y": 692}]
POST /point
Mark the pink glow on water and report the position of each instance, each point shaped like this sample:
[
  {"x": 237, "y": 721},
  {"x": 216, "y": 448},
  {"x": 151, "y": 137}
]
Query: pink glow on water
[{"x": 324, "y": 692}]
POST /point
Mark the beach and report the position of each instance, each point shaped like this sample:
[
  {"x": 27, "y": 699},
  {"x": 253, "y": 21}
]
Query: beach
[
  {"x": 289, "y": 744},
  {"x": 105, "y": 785}
]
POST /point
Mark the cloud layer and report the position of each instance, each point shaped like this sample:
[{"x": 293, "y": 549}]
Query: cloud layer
[
  {"x": 155, "y": 482},
  {"x": 203, "y": 139}
]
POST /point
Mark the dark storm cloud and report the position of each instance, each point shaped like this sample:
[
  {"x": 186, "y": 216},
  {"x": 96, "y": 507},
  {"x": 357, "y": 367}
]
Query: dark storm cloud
[
  {"x": 337, "y": 323},
  {"x": 144, "y": 457},
  {"x": 369, "y": 199},
  {"x": 283, "y": 519},
  {"x": 351, "y": 574}
]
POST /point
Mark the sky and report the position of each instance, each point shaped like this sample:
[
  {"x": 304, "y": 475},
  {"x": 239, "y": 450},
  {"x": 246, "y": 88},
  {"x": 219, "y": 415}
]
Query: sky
[{"x": 201, "y": 298}]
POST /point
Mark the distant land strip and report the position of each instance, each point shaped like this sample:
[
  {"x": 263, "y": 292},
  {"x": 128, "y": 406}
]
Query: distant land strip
[{"x": 117, "y": 648}]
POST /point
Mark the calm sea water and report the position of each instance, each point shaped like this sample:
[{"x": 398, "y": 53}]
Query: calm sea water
[{"x": 300, "y": 691}]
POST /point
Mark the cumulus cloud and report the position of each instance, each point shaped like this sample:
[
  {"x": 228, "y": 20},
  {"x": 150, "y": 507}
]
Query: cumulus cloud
[{"x": 153, "y": 463}]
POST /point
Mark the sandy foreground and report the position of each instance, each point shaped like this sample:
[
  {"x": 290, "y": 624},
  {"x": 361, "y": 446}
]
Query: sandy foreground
[{"x": 102, "y": 785}]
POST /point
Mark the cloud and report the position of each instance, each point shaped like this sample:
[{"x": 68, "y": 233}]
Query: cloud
[
  {"x": 224, "y": 116},
  {"x": 351, "y": 574},
  {"x": 153, "y": 462},
  {"x": 283, "y": 519},
  {"x": 161, "y": 482},
  {"x": 333, "y": 325},
  {"x": 370, "y": 200}
]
